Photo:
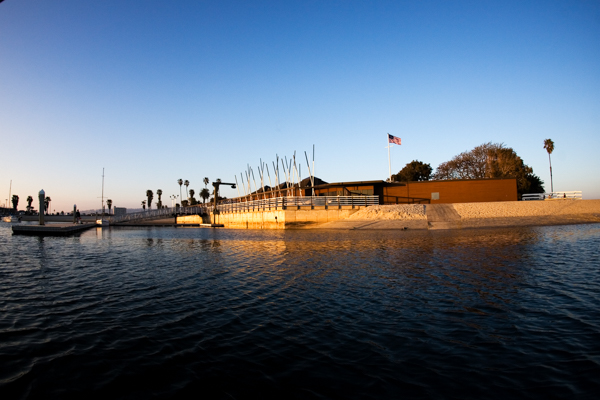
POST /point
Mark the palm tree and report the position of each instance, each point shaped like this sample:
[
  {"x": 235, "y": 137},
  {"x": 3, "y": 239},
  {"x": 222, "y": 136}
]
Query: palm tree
[
  {"x": 144, "y": 204},
  {"x": 187, "y": 184},
  {"x": 47, "y": 201},
  {"x": 29, "y": 201},
  {"x": 109, "y": 204},
  {"x": 549, "y": 146},
  {"x": 206, "y": 180},
  {"x": 192, "y": 199},
  {"x": 180, "y": 181},
  {"x": 205, "y": 194},
  {"x": 149, "y": 195},
  {"x": 159, "y": 204},
  {"x": 15, "y": 201}
]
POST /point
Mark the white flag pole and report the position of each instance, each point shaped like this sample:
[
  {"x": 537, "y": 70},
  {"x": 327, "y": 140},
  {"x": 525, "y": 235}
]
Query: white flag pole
[{"x": 389, "y": 157}]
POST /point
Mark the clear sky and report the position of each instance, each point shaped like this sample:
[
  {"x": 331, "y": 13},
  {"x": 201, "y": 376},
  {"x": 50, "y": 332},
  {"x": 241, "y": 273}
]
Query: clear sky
[{"x": 154, "y": 91}]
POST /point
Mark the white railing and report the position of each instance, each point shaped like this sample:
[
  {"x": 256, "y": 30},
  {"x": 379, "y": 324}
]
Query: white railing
[
  {"x": 236, "y": 205},
  {"x": 283, "y": 203},
  {"x": 573, "y": 195}
]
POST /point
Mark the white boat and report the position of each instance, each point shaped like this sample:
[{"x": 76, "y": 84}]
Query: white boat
[
  {"x": 11, "y": 218},
  {"x": 101, "y": 222}
]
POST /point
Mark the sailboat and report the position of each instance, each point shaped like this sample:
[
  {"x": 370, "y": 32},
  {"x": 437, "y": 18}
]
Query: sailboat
[
  {"x": 102, "y": 221},
  {"x": 10, "y": 218}
]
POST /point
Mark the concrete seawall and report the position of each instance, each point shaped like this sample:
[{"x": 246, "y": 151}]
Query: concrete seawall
[
  {"x": 273, "y": 219},
  {"x": 409, "y": 216}
]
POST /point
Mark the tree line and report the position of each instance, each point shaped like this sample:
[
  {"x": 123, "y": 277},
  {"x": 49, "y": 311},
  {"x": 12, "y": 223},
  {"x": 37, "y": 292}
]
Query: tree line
[
  {"x": 29, "y": 209},
  {"x": 489, "y": 160},
  {"x": 191, "y": 200}
]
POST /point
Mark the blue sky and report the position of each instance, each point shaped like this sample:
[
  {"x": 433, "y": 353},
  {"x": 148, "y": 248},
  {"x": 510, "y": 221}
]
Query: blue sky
[{"x": 155, "y": 91}]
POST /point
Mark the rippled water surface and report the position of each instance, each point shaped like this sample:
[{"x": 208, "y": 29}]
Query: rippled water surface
[{"x": 192, "y": 312}]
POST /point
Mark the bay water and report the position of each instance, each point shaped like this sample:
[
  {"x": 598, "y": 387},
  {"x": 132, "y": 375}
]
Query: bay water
[{"x": 163, "y": 312}]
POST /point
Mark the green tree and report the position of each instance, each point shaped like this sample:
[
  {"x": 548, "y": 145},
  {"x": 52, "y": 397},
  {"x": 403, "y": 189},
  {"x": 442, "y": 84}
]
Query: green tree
[
  {"x": 180, "y": 181},
  {"x": 159, "y": 203},
  {"x": 414, "y": 171},
  {"x": 467, "y": 165},
  {"x": 205, "y": 194},
  {"x": 144, "y": 204},
  {"x": 549, "y": 146},
  {"x": 29, "y": 201},
  {"x": 206, "y": 180},
  {"x": 491, "y": 160},
  {"x": 109, "y": 204},
  {"x": 192, "y": 200},
  {"x": 47, "y": 201},
  {"x": 536, "y": 185},
  {"x": 150, "y": 196},
  {"x": 15, "y": 201}
]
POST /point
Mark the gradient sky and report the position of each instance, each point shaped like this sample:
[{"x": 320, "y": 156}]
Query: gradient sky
[{"x": 154, "y": 91}]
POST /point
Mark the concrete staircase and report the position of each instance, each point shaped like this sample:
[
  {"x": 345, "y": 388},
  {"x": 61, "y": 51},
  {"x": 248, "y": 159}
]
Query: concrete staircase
[{"x": 442, "y": 216}]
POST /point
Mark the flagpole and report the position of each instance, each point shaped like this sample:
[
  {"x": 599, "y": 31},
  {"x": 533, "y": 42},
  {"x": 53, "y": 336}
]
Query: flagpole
[{"x": 389, "y": 157}]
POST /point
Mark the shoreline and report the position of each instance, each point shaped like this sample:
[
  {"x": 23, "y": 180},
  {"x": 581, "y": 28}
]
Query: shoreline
[
  {"x": 434, "y": 216},
  {"x": 470, "y": 215}
]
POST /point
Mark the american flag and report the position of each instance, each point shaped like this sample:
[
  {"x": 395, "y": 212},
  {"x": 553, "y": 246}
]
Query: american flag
[{"x": 394, "y": 139}]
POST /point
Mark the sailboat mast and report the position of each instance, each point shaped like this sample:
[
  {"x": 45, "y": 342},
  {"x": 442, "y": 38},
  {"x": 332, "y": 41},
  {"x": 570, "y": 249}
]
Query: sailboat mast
[{"x": 102, "y": 192}]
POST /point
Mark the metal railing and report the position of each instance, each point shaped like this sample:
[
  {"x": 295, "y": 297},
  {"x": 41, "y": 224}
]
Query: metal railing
[
  {"x": 234, "y": 205},
  {"x": 573, "y": 195},
  {"x": 405, "y": 200},
  {"x": 283, "y": 203},
  {"x": 157, "y": 214}
]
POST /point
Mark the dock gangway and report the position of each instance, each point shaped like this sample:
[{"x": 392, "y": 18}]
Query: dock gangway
[{"x": 160, "y": 213}]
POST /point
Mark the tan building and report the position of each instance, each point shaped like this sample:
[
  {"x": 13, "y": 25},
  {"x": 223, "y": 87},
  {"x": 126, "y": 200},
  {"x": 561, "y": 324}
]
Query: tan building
[{"x": 428, "y": 192}]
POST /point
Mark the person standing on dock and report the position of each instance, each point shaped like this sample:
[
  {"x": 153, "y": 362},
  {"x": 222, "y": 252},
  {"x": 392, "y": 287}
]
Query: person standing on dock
[{"x": 78, "y": 216}]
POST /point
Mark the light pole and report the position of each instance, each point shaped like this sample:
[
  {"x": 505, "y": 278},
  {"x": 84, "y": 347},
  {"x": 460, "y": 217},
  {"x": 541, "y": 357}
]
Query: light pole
[{"x": 216, "y": 196}]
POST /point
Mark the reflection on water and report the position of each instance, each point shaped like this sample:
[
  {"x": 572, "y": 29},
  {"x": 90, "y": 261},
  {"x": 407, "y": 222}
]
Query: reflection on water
[{"x": 163, "y": 312}]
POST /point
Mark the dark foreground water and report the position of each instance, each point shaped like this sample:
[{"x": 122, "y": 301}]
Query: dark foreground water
[{"x": 201, "y": 313}]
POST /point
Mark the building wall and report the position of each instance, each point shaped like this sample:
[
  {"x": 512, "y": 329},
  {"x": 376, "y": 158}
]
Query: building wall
[
  {"x": 458, "y": 191},
  {"x": 119, "y": 211}
]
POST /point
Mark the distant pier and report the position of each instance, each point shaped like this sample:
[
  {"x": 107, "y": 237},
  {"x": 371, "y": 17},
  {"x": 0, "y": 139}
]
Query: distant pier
[{"x": 52, "y": 229}]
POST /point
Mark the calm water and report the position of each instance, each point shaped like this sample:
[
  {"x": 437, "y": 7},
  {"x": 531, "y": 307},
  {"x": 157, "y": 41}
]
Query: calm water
[{"x": 191, "y": 312}]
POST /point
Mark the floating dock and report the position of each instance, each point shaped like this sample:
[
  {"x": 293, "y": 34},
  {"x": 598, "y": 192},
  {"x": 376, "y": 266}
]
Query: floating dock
[{"x": 51, "y": 229}]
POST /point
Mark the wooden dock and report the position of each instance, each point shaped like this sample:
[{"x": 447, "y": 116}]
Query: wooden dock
[{"x": 51, "y": 229}]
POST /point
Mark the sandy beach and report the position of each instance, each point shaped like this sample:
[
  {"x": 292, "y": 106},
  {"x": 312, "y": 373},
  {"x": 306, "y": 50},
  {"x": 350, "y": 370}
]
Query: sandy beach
[{"x": 472, "y": 215}]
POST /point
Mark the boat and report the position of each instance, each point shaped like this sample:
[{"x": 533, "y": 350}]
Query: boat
[
  {"x": 102, "y": 222},
  {"x": 12, "y": 219}
]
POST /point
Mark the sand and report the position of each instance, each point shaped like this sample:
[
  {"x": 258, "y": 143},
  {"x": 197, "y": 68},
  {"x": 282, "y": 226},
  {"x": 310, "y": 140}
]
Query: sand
[
  {"x": 391, "y": 212},
  {"x": 527, "y": 208}
]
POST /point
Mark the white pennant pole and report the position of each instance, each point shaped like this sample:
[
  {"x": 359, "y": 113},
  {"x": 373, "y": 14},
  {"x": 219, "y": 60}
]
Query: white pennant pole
[{"x": 389, "y": 157}]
